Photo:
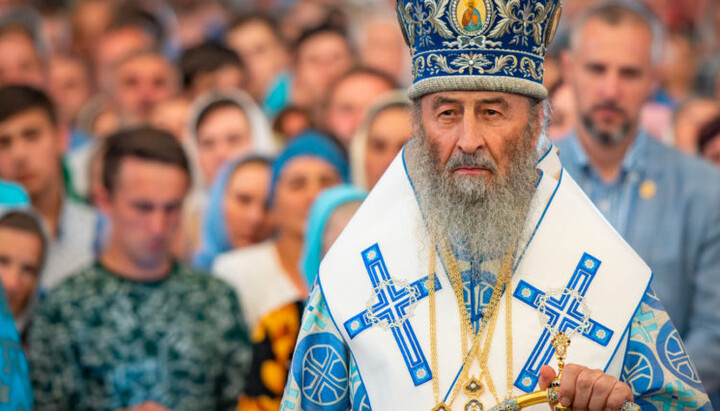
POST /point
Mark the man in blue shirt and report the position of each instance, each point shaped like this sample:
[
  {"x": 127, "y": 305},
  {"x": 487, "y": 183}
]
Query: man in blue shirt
[{"x": 665, "y": 204}]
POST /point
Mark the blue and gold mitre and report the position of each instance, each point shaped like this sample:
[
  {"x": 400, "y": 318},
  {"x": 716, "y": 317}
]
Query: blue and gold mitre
[{"x": 495, "y": 45}]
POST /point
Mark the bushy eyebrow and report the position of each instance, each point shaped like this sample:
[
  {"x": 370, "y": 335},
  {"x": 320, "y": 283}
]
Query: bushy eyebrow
[
  {"x": 439, "y": 101},
  {"x": 496, "y": 100}
]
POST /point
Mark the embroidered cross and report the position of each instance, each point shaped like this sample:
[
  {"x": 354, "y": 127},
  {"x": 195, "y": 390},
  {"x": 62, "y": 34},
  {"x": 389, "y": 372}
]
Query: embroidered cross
[
  {"x": 392, "y": 304},
  {"x": 563, "y": 314}
]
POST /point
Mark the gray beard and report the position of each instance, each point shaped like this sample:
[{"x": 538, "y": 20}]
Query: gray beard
[
  {"x": 606, "y": 138},
  {"x": 483, "y": 215}
]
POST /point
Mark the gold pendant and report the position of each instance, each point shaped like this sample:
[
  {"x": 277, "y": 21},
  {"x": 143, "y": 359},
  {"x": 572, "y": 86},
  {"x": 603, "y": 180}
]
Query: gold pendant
[
  {"x": 473, "y": 405},
  {"x": 473, "y": 388},
  {"x": 441, "y": 407},
  {"x": 648, "y": 189}
]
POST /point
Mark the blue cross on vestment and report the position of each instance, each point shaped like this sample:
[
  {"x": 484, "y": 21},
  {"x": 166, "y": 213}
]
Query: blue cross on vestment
[
  {"x": 393, "y": 306},
  {"x": 563, "y": 315}
]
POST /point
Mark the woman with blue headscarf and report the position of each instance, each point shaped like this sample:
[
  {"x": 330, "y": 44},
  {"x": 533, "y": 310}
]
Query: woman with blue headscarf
[
  {"x": 267, "y": 276},
  {"x": 329, "y": 215},
  {"x": 236, "y": 213}
]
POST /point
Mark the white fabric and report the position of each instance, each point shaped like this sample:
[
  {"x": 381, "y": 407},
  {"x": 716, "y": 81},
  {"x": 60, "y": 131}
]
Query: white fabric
[
  {"x": 258, "y": 278},
  {"x": 570, "y": 226},
  {"x": 79, "y": 162},
  {"x": 74, "y": 246}
]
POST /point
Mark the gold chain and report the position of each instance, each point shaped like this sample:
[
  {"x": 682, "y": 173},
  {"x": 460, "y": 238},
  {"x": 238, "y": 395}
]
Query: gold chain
[
  {"x": 504, "y": 279},
  {"x": 508, "y": 343},
  {"x": 455, "y": 279},
  {"x": 489, "y": 316},
  {"x": 433, "y": 327}
]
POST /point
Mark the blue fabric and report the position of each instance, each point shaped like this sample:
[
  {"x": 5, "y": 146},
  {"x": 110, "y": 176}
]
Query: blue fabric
[
  {"x": 214, "y": 237},
  {"x": 654, "y": 365},
  {"x": 277, "y": 96},
  {"x": 12, "y": 195},
  {"x": 323, "y": 207},
  {"x": 14, "y": 379},
  {"x": 309, "y": 143},
  {"x": 497, "y": 40},
  {"x": 616, "y": 198},
  {"x": 15, "y": 376},
  {"x": 676, "y": 231},
  {"x": 78, "y": 138}
]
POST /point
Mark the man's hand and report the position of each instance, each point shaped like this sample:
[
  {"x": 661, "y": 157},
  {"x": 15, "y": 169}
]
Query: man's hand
[
  {"x": 147, "y": 406},
  {"x": 584, "y": 389}
]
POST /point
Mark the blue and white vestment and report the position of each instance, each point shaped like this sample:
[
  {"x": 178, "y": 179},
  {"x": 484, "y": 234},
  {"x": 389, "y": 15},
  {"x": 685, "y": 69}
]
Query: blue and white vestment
[{"x": 364, "y": 341}]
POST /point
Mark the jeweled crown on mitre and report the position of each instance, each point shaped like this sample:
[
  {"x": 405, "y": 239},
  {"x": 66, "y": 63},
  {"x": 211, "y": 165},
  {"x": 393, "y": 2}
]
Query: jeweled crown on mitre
[{"x": 494, "y": 45}]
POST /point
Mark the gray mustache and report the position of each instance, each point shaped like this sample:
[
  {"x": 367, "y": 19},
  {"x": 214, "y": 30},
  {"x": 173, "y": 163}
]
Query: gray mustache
[{"x": 479, "y": 160}]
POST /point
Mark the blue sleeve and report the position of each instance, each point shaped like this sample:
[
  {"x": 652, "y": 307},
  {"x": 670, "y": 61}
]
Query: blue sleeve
[
  {"x": 14, "y": 371},
  {"x": 323, "y": 375},
  {"x": 657, "y": 366}
]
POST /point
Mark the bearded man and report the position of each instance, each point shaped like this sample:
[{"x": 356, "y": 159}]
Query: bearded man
[
  {"x": 476, "y": 257},
  {"x": 665, "y": 204}
]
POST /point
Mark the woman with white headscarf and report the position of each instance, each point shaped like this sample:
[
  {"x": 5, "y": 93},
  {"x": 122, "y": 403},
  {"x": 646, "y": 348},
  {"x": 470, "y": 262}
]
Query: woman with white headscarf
[{"x": 223, "y": 125}]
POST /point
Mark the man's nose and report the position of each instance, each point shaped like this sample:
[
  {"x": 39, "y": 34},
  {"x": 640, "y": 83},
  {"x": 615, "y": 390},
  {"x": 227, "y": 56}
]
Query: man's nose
[
  {"x": 610, "y": 86},
  {"x": 471, "y": 134},
  {"x": 157, "y": 222}
]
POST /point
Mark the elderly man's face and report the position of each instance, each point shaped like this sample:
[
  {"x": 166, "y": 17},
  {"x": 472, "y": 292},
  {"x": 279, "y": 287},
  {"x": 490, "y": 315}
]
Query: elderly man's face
[
  {"x": 474, "y": 133},
  {"x": 476, "y": 167},
  {"x": 612, "y": 76}
]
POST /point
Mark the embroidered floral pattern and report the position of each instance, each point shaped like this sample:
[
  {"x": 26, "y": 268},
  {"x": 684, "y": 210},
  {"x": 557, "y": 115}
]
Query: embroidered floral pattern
[
  {"x": 523, "y": 21},
  {"x": 421, "y": 22}
]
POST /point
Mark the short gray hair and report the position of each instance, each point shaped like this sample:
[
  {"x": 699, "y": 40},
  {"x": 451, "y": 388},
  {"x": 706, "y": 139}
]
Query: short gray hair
[{"x": 616, "y": 12}]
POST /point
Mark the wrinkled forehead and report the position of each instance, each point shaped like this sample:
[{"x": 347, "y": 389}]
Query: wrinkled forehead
[{"x": 507, "y": 100}]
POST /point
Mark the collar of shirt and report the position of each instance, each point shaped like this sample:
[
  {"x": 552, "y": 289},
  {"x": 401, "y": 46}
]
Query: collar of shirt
[{"x": 631, "y": 162}]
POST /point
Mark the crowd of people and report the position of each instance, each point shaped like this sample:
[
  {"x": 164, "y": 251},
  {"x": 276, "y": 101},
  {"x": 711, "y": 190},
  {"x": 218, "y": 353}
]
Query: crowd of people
[{"x": 172, "y": 173}]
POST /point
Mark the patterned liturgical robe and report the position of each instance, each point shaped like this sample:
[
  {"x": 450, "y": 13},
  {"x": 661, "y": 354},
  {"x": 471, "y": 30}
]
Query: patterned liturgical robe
[{"x": 344, "y": 360}]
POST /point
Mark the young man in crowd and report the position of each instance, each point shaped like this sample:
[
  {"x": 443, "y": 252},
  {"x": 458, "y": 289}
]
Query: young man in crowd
[
  {"x": 322, "y": 56},
  {"x": 126, "y": 34},
  {"x": 211, "y": 66},
  {"x": 259, "y": 43},
  {"x": 137, "y": 328},
  {"x": 32, "y": 144},
  {"x": 141, "y": 82},
  {"x": 350, "y": 98}
]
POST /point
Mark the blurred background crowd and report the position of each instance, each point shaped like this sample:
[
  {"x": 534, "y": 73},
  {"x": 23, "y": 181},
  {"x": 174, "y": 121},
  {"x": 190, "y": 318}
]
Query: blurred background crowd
[{"x": 151, "y": 141}]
